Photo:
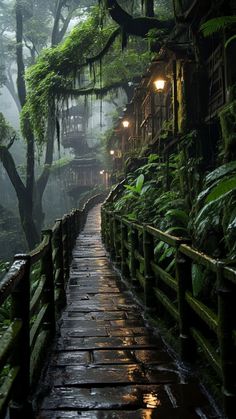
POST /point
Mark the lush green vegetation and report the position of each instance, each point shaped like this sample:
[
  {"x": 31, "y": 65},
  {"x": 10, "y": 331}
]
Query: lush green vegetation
[{"x": 210, "y": 222}]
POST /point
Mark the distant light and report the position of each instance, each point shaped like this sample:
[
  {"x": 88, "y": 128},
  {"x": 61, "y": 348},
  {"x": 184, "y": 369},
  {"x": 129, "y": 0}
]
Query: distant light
[
  {"x": 159, "y": 84},
  {"x": 112, "y": 152},
  {"x": 125, "y": 123},
  {"x": 102, "y": 172}
]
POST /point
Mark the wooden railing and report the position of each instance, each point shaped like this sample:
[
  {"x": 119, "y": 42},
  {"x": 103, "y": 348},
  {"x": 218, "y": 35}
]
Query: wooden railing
[
  {"x": 34, "y": 290},
  {"x": 204, "y": 330}
]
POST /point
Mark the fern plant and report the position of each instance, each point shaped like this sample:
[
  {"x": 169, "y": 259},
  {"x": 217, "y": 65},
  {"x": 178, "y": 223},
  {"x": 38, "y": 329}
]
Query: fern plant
[{"x": 218, "y": 24}]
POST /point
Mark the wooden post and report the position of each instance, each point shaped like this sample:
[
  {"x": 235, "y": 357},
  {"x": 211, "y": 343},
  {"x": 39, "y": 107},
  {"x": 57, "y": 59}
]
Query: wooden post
[
  {"x": 175, "y": 101},
  {"x": 49, "y": 290},
  {"x": 70, "y": 239},
  {"x": 73, "y": 229},
  {"x": 20, "y": 309},
  {"x": 58, "y": 265},
  {"x": 66, "y": 261},
  {"x": 117, "y": 241},
  {"x": 183, "y": 277},
  {"x": 148, "y": 251},
  {"x": 79, "y": 221},
  {"x": 226, "y": 317},
  {"x": 133, "y": 247},
  {"x": 105, "y": 235},
  {"x": 124, "y": 252},
  {"x": 111, "y": 246}
]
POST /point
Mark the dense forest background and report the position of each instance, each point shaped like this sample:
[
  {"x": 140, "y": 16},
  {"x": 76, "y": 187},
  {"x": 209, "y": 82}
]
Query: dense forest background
[
  {"x": 61, "y": 54},
  {"x": 33, "y": 161}
]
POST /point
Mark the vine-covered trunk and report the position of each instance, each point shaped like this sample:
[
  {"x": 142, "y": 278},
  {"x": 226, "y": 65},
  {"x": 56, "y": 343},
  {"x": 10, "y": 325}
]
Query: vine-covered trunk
[
  {"x": 42, "y": 181},
  {"x": 28, "y": 223},
  {"x": 19, "y": 54}
]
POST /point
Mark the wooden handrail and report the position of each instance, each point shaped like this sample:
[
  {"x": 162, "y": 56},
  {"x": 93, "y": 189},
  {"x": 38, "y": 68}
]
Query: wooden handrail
[
  {"x": 33, "y": 312},
  {"x": 212, "y": 329}
]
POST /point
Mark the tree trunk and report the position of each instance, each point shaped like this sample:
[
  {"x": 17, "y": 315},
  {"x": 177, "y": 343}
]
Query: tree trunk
[
  {"x": 23, "y": 197},
  {"x": 24, "y": 193},
  {"x": 9, "y": 84},
  {"x": 27, "y": 222},
  {"x": 43, "y": 179},
  {"x": 149, "y": 8},
  {"x": 19, "y": 54}
]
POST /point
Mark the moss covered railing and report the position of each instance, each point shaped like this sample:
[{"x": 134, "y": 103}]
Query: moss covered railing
[
  {"x": 206, "y": 333},
  {"x": 33, "y": 292}
]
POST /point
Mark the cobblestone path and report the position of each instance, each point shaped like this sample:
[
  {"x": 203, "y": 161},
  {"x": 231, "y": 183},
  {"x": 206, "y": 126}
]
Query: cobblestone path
[{"x": 107, "y": 363}]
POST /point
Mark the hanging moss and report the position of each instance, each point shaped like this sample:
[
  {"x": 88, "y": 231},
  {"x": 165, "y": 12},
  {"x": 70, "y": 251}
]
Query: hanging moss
[{"x": 56, "y": 69}]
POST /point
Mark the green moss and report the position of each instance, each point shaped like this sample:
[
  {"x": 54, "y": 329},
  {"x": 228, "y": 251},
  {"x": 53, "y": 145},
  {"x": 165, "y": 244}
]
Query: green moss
[
  {"x": 182, "y": 113},
  {"x": 56, "y": 72}
]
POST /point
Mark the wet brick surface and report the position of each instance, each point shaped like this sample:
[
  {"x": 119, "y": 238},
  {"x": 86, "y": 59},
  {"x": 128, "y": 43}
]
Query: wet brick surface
[{"x": 107, "y": 363}]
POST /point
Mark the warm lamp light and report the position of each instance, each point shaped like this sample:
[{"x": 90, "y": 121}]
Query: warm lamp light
[
  {"x": 102, "y": 172},
  {"x": 125, "y": 123},
  {"x": 112, "y": 152},
  {"x": 159, "y": 84}
]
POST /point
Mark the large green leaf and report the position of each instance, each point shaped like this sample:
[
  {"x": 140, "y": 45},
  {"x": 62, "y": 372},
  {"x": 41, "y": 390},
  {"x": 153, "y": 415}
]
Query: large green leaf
[
  {"x": 217, "y": 24},
  {"x": 221, "y": 171},
  {"x": 139, "y": 183},
  {"x": 221, "y": 189},
  {"x": 231, "y": 39},
  {"x": 179, "y": 215}
]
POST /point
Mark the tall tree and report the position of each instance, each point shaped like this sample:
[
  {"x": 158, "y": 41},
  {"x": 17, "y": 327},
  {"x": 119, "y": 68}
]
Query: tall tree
[{"x": 29, "y": 192}]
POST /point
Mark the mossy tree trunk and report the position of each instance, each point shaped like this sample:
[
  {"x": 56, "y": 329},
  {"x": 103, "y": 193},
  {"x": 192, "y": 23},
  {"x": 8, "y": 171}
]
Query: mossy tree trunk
[
  {"x": 30, "y": 192},
  {"x": 24, "y": 198}
]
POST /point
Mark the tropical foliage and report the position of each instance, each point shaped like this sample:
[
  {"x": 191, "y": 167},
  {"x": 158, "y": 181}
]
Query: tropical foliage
[
  {"x": 214, "y": 220},
  {"x": 211, "y": 26},
  {"x": 60, "y": 72},
  {"x": 144, "y": 198}
]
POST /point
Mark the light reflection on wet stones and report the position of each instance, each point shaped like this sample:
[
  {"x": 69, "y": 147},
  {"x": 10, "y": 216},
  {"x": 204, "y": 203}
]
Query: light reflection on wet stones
[{"x": 106, "y": 363}]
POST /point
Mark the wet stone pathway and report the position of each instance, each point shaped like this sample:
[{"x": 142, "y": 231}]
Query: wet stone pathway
[{"x": 107, "y": 363}]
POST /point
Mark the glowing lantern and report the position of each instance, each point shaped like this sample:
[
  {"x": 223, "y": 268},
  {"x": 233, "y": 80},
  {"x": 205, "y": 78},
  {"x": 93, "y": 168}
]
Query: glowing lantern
[
  {"x": 159, "y": 85},
  {"x": 125, "y": 123}
]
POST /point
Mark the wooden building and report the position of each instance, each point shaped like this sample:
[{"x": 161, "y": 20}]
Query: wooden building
[
  {"x": 83, "y": 172},
  {"x": 187, "y": 94}
]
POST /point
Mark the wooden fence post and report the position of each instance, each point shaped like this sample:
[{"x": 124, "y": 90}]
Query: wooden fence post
[
  {"x": 103, "y": 226},
  {"x": 20, "y": 309},
  {"x": 58, "y": 265},
  {"x": 111, "y": 238},
  {"x": 70, "y": 238},
  {"x": 124, "y": 251},
  {"x": 66, "y": 260},
  {"x": 107, "y": 231},
  {"x": 79, "y": 221},
  {"x": 133, "y": 247},
  {"x": 117, "y": 240},
  {"x": 226, "y": 318},
  {"x": 49, "y": 293},
  {"x": 148, "y": 251},
  {"x": 73, "y": 229},
  {"x": 183, "y": 277}
]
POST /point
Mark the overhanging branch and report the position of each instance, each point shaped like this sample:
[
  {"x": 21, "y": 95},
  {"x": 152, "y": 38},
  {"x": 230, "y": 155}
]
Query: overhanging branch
[
  {"x": 139, "y": 26},
  {"x": 109, "y": 43},
  {"x": 10, "y": 167},
  {"x": 93, "y": 90}
]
